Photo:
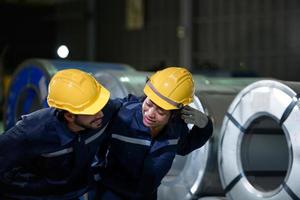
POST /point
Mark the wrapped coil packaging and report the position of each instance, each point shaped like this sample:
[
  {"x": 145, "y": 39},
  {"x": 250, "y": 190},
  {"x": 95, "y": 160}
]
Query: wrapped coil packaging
[
  {"x": 259, "y": 149},
  {"x": 28, "y": 88},
  {"x": 196, "y": 175}
]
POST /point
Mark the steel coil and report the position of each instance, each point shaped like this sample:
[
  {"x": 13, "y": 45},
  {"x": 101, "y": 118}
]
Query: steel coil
[
  {"x": 196, "y": 175},
  {"x": 28, "y": 88},
  {"x": 191, "y": 177},
  {"x": 259, "y": 146}
]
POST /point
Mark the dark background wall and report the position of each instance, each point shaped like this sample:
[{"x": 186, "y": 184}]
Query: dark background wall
[
  {"x": 153, "y": 45},
  {"x": 71, "y": 20},
  {"x": 232, "y": 38},
  {"x": 261, "y": 36},
  {"x": 26, "y": 30}
]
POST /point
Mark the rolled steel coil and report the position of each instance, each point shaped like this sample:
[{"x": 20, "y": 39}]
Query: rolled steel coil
[
  {"x": 196, "y": 175},
  {"x": 28, "y": 88},
  {"x": 193, "y": 176},
  {"x": 259, "y": 149}
]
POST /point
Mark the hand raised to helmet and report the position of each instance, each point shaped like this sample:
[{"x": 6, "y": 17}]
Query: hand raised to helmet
[{"x": 193, "y": 116}]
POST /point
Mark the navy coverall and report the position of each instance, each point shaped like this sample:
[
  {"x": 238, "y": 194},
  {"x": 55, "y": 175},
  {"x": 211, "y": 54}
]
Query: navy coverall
[
  {"x": 135, "y": 163},
  {"x": 40, "y": 158}
]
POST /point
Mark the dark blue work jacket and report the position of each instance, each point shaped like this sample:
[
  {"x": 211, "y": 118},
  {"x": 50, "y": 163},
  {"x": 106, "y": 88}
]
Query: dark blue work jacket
[
  {"x": 136, "y": 163},
  {"x": 40, "y": 158}
]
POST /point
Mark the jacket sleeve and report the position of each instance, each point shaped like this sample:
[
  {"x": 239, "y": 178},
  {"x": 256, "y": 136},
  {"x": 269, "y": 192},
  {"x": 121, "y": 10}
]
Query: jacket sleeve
[
  {"x": 128, "y": 98},
  {"x": 12, "y": 149},
  {"x": 194, "y": 139},
  {"x": 154, "y": 169},
  {"x": 100, "y": 159}
]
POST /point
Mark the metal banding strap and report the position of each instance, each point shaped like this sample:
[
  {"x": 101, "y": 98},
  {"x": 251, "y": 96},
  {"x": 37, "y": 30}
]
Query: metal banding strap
[
  {"x": 58, "y": 153},
  {"x": 232, "y": 183},
  {"x": 178, "y": 105},
  {"x": 237, "y": 178},
  {"x": 131, "y": 140},
  {"x": 94, "y": 137},
  {"x": 290, "y": 192},
  {"x": 236, "y": 123},
  {"x": 289, "y": 109}
]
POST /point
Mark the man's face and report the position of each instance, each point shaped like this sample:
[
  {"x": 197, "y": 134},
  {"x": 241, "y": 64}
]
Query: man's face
[
  {"x": 89, "y": 121},
  {"x": 153, "y": 115}
]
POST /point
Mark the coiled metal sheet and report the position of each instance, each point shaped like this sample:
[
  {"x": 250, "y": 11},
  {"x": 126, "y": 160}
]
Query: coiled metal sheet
[
  {"x": 259, "y": 147},
  {"x": 196, "y": 175},
  {"x": 192, "y": 176},
  {"x": 28, "y": 88}
]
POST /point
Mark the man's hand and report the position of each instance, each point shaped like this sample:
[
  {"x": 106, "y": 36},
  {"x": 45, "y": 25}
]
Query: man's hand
[{"x": 193, "y": 116}]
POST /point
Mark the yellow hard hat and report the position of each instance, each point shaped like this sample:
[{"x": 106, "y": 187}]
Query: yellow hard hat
[
  {"x": 170, "y": 88},
  {"x": 77, "y": 92}
]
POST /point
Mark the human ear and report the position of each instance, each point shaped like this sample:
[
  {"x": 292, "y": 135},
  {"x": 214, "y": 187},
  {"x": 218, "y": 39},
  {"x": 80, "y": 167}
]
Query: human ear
[{"x": 69, "y": 117}]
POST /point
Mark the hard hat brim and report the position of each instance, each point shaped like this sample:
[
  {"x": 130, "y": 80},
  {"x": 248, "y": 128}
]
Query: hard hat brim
[
  {"x": 158, "y": 100},
  {"x": 99, "y": 103}
]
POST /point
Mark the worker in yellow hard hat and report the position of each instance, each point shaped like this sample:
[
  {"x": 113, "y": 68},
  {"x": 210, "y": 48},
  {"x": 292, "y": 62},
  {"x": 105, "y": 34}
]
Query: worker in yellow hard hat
[
  {"x": 147, "y": 133},
  {"x": 48, "y": 153}
]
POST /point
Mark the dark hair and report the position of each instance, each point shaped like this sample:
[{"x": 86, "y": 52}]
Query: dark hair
[
  {"x": 175, "y": 114},
  {"x": 60, "y": 114}
]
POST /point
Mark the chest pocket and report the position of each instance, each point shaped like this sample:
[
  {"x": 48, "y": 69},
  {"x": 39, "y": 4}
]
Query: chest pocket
[
  {"x": 71, "y": 162},
  {"x": 129, "y": 153},
  {"x": 57, "y": 164}
]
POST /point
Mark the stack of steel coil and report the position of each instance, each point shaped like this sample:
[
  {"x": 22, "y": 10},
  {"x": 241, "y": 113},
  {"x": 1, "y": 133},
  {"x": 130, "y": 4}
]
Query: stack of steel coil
[
  {"x": 254, "y": 151},
  {"x": 29, "y": 84}
]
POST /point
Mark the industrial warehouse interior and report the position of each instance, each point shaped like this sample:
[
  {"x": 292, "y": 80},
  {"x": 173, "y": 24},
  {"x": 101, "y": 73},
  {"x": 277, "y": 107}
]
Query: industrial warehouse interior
[{"x": 244, "y": 57}]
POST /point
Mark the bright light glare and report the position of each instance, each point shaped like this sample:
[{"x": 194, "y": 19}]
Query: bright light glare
[
  {"x": 124, "y": 79},
  {"x": 63, "y": 51}
]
